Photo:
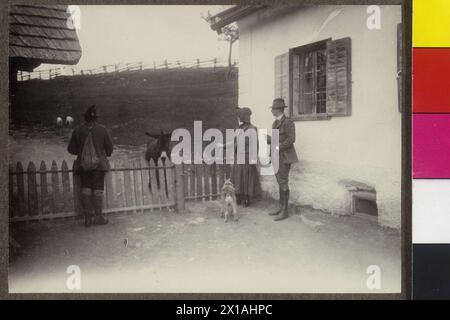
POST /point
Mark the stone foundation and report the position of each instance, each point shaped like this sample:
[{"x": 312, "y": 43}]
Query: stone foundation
[{"x": 324, "y": 186}]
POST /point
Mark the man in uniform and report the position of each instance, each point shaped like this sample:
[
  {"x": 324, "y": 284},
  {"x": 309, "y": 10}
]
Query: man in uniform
[{"x": 287, "y": 155}]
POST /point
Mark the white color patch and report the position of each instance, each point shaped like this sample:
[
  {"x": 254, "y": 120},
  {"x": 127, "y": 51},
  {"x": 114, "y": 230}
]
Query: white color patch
[{"x": 431, "y": 211}]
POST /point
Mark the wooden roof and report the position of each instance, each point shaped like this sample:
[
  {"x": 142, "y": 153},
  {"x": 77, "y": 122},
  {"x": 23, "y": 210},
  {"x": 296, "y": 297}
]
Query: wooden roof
[{"x": 40, "y": 33}]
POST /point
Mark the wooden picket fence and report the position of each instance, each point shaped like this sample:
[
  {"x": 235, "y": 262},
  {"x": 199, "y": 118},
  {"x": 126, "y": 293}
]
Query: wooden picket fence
[
  {"x": 49, "y": 192},
  {"x": 202, "y": 182}
]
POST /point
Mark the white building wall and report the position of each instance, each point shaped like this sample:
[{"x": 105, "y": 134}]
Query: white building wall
[{"x": 364, "y": 147}]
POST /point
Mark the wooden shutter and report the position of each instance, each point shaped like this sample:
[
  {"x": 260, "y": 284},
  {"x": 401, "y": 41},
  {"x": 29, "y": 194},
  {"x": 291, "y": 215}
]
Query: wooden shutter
[
  {"x": 282, "y": 79},
  {"x": 295, "y": 108},
  {"x": 339, "y": 81}
]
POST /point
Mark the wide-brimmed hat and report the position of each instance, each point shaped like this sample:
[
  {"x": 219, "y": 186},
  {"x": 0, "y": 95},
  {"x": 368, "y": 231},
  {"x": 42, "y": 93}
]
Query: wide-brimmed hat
[
  {"x": 278, "y": 103},
  {"x": 91, "y": 112}
]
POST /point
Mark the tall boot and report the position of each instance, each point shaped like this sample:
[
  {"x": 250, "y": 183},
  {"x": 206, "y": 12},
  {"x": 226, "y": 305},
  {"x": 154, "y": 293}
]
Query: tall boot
[
  {"x": 88, "y": 209},
  {"x": 100, "y": 217},
  {"x": 285, "y": 212},
  {"x": 280, "y": 208}
]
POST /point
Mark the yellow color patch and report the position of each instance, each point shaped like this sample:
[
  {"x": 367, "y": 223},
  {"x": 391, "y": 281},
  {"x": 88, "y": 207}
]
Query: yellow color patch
[{"x": 431, "y": 23}]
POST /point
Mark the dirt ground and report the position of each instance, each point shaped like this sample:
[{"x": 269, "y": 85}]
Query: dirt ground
[{"x": 196, "y": 251}]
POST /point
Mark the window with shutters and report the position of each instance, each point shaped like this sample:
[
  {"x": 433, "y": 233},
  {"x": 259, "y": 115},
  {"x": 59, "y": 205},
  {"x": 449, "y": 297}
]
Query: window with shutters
[{"x": 315, "y": 79}]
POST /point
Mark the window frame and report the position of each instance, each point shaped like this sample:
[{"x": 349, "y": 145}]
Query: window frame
[{"x": 300, "y": 50}]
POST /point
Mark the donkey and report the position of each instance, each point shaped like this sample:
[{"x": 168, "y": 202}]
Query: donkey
[{"x": 158, "y": 146}]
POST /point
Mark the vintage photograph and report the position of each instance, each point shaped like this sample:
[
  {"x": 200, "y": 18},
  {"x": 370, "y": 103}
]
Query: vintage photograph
[{"x": 205, "y": 149}]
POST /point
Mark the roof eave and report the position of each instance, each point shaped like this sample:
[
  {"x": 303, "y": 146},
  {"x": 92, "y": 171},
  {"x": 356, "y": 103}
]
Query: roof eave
[{"x": 231, "y": 15}]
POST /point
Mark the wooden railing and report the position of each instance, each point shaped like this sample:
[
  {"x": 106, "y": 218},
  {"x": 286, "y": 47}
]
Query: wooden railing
[
  {"x": 122, "y": 67},
  {"x": 50, "y": 192}
]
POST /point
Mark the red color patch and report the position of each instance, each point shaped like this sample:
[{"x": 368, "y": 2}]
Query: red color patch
[{"x": 431, "y": 80}]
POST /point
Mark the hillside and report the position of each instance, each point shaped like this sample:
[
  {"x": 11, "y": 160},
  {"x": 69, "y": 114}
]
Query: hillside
[{"x": 130, "y": 103}]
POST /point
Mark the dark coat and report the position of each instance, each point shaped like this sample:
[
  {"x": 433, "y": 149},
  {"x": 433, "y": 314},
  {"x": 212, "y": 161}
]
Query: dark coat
[
  {"x": 286, "y": 129},
  {"x": 245, "y": 152},
  {"x": 102, "y": 143},
  {"x": 245, "y": 176}
]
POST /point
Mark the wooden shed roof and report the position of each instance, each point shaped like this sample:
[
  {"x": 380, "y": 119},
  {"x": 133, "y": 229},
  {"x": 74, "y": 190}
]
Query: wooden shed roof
[{"x": 40, "y": 33}]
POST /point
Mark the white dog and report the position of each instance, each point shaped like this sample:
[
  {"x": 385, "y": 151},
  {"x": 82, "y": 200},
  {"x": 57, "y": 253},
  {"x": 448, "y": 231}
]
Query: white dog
[{"x": 229, "y": 205}]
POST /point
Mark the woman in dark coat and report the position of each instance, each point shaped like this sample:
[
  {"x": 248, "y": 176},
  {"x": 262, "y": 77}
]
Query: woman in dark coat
[{"x": 245, "y": 174}]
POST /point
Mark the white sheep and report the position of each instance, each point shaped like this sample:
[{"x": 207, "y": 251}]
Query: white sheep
[
  {"x": 69, "y": 121},
  {"x": 59, "y": 122}
]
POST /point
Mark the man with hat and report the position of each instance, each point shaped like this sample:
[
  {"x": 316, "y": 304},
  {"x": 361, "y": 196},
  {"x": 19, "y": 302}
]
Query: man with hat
[
  {"x": 93, "y": 178},
  {"x": 287, "y": 155}
]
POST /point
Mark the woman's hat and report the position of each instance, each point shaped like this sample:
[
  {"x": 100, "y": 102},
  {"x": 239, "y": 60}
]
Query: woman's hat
[
  {"x": 244, "y": 111},
  {"x": 244, "y": 114},
  {"x": 278, "y": 103}
]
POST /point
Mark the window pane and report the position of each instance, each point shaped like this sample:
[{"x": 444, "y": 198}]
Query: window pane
[
  {"x": 321, "y": 101},
  {"x": 321, "y": 60},
  {"x": 313, "y": 82},
  {"x": 308, "y": 65},
  {"x": 307, "y": 103},
  {"x": 308, "y": 83},
  {"x": 321, "y": 81}
]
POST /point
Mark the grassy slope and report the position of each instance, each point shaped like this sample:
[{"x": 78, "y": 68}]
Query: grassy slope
[{"x": 130, "y": 103}]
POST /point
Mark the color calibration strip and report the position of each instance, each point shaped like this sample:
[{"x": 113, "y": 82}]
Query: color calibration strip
[
  {"x": 431, "y": 148},
  {"x": 431, "y": 121}
]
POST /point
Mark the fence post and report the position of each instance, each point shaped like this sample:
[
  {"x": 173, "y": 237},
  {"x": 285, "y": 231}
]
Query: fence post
[
  {"x": 179, "y": 186},
  {"x": 12, "y": 202},
  {"x": 65, "y": 179},
  {"x": 23, "y": 208},
  {"x": 45, "y": 200},
  {"x": 76, "y": 180},
  {"x": 33, "y": 206},
  {"x": 214, "y": 181}
]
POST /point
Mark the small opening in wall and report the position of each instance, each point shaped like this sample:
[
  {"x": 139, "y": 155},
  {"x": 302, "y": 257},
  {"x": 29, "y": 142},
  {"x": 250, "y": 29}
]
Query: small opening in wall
[{"x": 364, "y": 202}]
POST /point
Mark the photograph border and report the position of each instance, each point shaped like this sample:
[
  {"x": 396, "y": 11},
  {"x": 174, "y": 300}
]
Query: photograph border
[{"x": 406, "y": 182}]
